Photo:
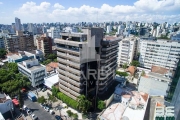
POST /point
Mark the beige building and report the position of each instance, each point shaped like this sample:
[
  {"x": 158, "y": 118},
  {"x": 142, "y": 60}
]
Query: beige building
[
  {"x": 80, "y": 53},
  {"x": 44, "y": 44},
  {"x": 19, "y": 42}
]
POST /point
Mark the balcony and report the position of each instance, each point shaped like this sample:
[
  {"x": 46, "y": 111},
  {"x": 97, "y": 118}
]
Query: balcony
[
  {"x": 79, "y": 90},
  {"x": 68, "y": 50},
  {"x": 74, "y": 64},
  {"x": 78, "y": 72},
  {"x": 78, "y": 84},
  {"x": 71, "y": 57},
  {"x": 107, "y": 60},
  {"x": 111, "y": 53},
  {"x": 106, "y": 49}
]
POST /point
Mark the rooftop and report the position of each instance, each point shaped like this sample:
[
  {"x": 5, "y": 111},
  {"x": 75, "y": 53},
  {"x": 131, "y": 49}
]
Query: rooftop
[
  {"x": 4, "y": 98},
  {"x": 131, "y": 69},
  {"x": 159, "y": 76},
  {"x": 50, "y": 67},
  {"x": 158, "y": 69}
]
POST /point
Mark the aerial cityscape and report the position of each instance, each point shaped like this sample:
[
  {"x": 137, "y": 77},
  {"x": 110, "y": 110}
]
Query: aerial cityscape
[{"x": 90, "y": 60}]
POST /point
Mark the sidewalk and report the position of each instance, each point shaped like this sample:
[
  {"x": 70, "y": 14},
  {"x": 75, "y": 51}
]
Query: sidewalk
[{"x": 55, "y": 104}]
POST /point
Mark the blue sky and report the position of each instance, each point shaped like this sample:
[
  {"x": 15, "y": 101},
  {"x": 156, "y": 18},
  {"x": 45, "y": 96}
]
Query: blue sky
[{"x": 89, "y": 10}]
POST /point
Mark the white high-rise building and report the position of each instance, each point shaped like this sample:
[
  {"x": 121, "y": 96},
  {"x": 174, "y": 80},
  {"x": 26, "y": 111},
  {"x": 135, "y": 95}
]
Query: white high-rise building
[
  {"x": 127, "y": 50},
  {"x": 30, "y": 27},
  {"x": 17, "y": 24},
  {"x": 161, "y": 53},
  {"x": 109, "y": 29},
  {"x": 53, "y": 32}
]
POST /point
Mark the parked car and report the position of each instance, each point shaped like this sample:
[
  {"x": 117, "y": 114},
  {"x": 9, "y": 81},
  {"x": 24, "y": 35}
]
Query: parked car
[
  {"x": 24, "y": 107},
  {"x": 34, "y": 117},
  {"x": 29, "y": 112},
  {"x": 51, "y": 112},
  {"x": 46, "y": 109},
  {"x": 57, "y": 117}
]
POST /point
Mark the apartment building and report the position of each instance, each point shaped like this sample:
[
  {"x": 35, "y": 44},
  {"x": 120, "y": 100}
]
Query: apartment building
[
  {"x": 2, "y": 42},
  {"x": 161, "y": 53},
  {"x": 19, "y": 42},
  {"x": 44, "y": 44},
  {"x": 127, "y": 50},
  {"x": 33, "y": 70},
  {"x": 81, "y": 57}
]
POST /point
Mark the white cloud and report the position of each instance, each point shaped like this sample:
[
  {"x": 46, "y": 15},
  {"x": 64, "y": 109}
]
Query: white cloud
[
  {"x": 1, "y": 3},
  {"x": 58, "y": 6},
  {"x": 142, "y": 10}
]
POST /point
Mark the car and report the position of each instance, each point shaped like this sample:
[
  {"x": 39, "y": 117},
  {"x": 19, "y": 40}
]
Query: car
[
  {"x": 29, "y": 112},
  {"x": 51, "y": 112},
  {"x": 24, "y": 107},
  {"x": 42, "y": 105},
  {"x": 44, "y": 89},
  {"x": 34, "y": 117},
  {"x": 46, "y": 109},
  {"x": 57, "y": 117}
]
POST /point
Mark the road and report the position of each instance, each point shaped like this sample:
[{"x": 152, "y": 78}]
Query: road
[{"x": 38, "y": 110}]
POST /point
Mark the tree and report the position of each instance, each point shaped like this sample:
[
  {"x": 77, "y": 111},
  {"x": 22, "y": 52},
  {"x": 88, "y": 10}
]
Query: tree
[
  {"x": 21, "y": 101},
  {"x": 75, "y": 116},
  {"x": 135, "y": 63},
  {"x": 124, "y": 66},
  {"x": 101, "y": 105},
  {"x": 54, "y": 91},
  {"x": 51, "y": 56},
  {"x": 83, "y": 104},
  {"x": 13, "y": 67},
  {"x": 51, "y": 98},
  {"x": 41, "y": 100},
  {"x": 2, "y": 53},
  {"x": 143, "y": 73},
  {"x": 69, "y": 113}
]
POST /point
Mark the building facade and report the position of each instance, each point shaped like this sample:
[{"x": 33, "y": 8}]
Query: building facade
[
  {"x": 19, "y": 42},
  {"x": 44, "y": 44},
  {"x": 33, "y": 70},
  {"x": 80, "y": 53},
  {"x": 17, "y": 24},
  {"x": 161, "y": 53},
  {"x": 5, "y": 103},
  {"x": 127, "y": 50},
  {"x": 2, "y": 42}
]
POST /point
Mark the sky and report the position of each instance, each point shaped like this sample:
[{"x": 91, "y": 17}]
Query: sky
[{"x": 73, "y": 11}]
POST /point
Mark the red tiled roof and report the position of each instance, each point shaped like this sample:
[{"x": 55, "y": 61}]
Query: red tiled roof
[
  {"x": 158, "y": 69},
  {"x": 51, "y": 66},
  {"x": 131, "y": 69}
]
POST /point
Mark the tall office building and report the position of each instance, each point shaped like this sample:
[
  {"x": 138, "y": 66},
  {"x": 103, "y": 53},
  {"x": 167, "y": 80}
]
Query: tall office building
[
  {"x": 17, "y": 24},
  {"x": 87, "y": 62},
  {"x": 161, "y": 53},
  {"x": 31, "y": 27},
  {"x": 19, "y": 42}
]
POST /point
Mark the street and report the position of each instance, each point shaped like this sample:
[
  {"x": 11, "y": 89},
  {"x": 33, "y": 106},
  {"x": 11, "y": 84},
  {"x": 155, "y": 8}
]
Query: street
[{"x": 38, "y": 110}]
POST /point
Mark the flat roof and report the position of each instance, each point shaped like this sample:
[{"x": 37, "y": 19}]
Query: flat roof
[
  {"x": 35, "y": 67},
  {"x": 159, "y": 76},
  {"x": 51, "y": 80},
  {"x": 152, "y": 86}
]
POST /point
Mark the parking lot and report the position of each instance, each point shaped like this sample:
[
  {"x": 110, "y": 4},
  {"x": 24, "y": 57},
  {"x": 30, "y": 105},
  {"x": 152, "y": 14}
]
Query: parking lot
[{"x": 38, "y": 111}]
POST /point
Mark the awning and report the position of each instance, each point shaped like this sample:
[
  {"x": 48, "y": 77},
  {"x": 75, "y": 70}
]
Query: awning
[
  {"x": 15, "y": 101},
  {"x": 51, "y": 80}
]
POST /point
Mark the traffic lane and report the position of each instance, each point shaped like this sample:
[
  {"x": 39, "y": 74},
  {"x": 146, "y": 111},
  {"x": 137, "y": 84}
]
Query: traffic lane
[{"x": 38, "y": 110}]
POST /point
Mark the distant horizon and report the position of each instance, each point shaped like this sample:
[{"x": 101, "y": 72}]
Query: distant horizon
[{"x": 41, "y": 11}]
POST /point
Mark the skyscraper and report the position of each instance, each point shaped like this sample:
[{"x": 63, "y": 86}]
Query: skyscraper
[{"x": 17, "y": 24}]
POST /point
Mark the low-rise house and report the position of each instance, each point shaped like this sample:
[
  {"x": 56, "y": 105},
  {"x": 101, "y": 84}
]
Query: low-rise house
[
  {"x": 156, "y": 82},
  {"x": 6, "y": 105},
  {"x": 24, "y": 55}
]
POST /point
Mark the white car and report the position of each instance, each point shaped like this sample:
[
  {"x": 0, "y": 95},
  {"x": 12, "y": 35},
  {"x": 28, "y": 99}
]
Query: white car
[
  {"x": 46, "y": 109},
  {"x": 24, "y": 107},
  {"x": 34, "y": 117}
]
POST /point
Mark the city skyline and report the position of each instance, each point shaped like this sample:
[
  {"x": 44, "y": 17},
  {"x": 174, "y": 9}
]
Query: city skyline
[{"x": 90, "y": 11}]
